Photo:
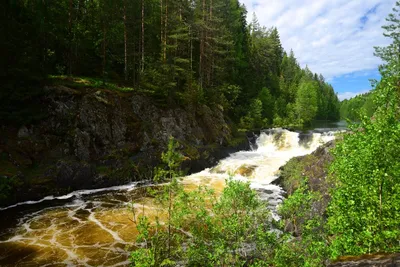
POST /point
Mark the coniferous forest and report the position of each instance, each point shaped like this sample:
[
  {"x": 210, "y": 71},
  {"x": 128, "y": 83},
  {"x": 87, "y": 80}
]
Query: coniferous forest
[
  {"x": 106, "y": 105},
  {"x": 181, "y": 52},
  {"x": 357, "y": 106}
]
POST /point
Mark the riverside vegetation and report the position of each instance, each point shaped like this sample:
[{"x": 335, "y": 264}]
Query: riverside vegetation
[
  {"x": 200, "y": 57},
  {"x": 93, "y": 89},
  {"x": 202, "y": 229},
  {"x": 343, "y": 200}
]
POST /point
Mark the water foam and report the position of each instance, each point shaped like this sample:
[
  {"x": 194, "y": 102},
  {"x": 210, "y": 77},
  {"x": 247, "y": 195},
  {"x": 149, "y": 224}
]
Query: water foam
[
  {"x": 273, "y": 149},
  {"x": 78, "y": 193},
  {"x": 93, "y": 230}
]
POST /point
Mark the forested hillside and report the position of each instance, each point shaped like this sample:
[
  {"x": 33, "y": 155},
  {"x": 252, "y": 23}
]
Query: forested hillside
[
  {"x": 181, "y": 52},
  {"x": 354, "y": 108},
  {"x": 343, "y": 199}
]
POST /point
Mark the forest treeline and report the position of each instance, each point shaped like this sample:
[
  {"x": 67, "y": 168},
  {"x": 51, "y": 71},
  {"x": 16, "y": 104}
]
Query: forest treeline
[
  {"x": 358, "y": 106},
  {"x": 182, "y": 52},
  {"x": 343, "y": 199}
]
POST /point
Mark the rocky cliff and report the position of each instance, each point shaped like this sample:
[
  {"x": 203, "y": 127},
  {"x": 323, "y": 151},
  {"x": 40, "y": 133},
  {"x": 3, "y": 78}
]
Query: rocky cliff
[{"x": 95, "y": 138}]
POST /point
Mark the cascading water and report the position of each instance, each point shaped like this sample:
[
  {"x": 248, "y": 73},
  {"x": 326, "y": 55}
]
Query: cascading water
[
  {"x": 261, "y": 166},
  {"x": 93, "y": 227}
]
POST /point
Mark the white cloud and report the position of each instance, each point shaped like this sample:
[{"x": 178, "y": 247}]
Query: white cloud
[
  {"x": 329, "y": 36},
  {"x": 348, "y": 95}
]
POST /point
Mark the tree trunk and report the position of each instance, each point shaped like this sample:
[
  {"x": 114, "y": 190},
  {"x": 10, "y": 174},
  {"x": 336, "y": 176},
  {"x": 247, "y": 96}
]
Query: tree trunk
[
  {"x": 165, "y": 30},
  {"x": 380, "y": 204},
  {"x": 169, "y": 221},
  {"x": 104, "y": 53},
  {"x": 161, "y": 31},
  {"x": 191, "y": 60},
  {"x": 210, "y": 48},
  {"x": 125, "y": 45},
  {"x": 70, "y": 41},
  {"x": 202, "y": 44},
  {"x": 44, "y": 40},
  {"x": 142, "y": 62},
  {"x": 134, "y": 78}
]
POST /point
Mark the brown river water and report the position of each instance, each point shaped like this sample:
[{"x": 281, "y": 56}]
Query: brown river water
[{"x": 95, "y": 228}]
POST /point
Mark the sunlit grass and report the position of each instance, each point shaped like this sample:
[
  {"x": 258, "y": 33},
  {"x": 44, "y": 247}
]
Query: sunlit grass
[{"x": 86, "y": 82}]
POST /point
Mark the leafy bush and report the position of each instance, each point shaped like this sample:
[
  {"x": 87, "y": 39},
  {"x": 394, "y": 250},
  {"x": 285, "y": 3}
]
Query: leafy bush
[
  {"x": 253, "y": 118},
  {"x": 201, "y": 229},
  {"x": 365, "y": 208},
  {"x": 305, "y": 240}
]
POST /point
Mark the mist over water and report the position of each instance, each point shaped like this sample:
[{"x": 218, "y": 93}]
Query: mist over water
[{"x": 94, "y": 227}]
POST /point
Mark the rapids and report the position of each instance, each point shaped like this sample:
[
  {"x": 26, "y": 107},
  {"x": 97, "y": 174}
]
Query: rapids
[{"x": 94, "y": 227}]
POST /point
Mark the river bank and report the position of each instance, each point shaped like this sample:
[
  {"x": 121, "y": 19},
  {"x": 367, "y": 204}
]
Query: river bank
[
  {"x": 94, "y": 138},
  {"x": 307, "y": 177},
  {"x": 93, "y": 228}
]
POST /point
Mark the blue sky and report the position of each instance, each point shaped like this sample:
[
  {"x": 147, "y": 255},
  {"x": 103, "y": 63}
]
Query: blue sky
[{"x": 333, "y": 37}]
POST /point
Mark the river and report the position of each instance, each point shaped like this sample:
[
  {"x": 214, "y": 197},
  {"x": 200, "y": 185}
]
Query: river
[{"x": 94, "y": 227}]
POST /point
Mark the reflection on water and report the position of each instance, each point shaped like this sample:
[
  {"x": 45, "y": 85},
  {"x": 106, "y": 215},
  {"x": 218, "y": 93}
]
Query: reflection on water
[
  {"x": 95, "y": 228},
  {"x": 326, "y": 126}
]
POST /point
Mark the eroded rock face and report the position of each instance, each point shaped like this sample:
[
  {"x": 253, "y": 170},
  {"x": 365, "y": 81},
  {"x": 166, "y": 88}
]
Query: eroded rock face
[
  {"x": 205, "y": 126},
  {"x": 74, "y": 174},
  {"x": 94, "y": 138}
]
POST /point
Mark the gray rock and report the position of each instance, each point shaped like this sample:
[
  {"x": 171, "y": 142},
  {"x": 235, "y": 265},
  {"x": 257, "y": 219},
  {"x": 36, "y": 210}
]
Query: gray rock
[
  {"x": 86, "y": 129},
  {"x": 82, "y": 144},
  {"x": 74, "y": 175},
  {"x": 23, "y": 132}
]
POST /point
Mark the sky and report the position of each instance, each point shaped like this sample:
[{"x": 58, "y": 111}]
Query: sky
[{"x": 332, "y": 37}]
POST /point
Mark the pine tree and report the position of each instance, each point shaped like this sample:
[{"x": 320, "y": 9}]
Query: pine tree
[{"x": 391, "y": 52}]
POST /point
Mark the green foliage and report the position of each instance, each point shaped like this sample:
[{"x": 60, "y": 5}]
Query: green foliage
[
  {"x": 85, "y": 82},
  {"x": 357, "y": 107},
  {"x": 305, "y": 240},
  {"x": 159, "y": 241},
  {"x": 172, "y": 161},
  {"x": 365, "y": 207},
  {"x": 142, "y": 257},
  {"x": 228, "y": 231},
  {"x": 169, "y": 50},
  {"x": 364, "y": 213},
  {"x": 390, "y": 53},
  {"x": 229, "y": 95},
  {"x": 306, "y": 101},
  {"x": 267, "y": 101},
  {"x": 201, "y": 229},
  {"x": 253, "y": 118},
  {"x": 293, "y": 173},
  {"x": 236, "y": 220}
]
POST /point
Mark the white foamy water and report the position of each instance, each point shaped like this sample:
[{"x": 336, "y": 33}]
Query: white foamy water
[
  {"x": 77, "y": 193},
  {"x": 94, "y": 227},
  {"x": 261, "y": 166}
]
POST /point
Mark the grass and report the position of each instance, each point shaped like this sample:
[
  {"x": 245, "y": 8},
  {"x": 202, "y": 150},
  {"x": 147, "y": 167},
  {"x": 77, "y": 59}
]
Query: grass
[{"x": 86, "y": 82}]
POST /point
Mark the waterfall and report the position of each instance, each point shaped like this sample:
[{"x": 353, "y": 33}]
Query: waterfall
[
  {"x": 260, "y": 166},
  {"x": 92, "y": 227}
]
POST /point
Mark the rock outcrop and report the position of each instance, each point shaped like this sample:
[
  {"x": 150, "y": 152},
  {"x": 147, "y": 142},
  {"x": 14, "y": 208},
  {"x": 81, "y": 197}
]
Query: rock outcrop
[
  {"x": 95, "y": 138},
  {"x": 314, "y": 167}
]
